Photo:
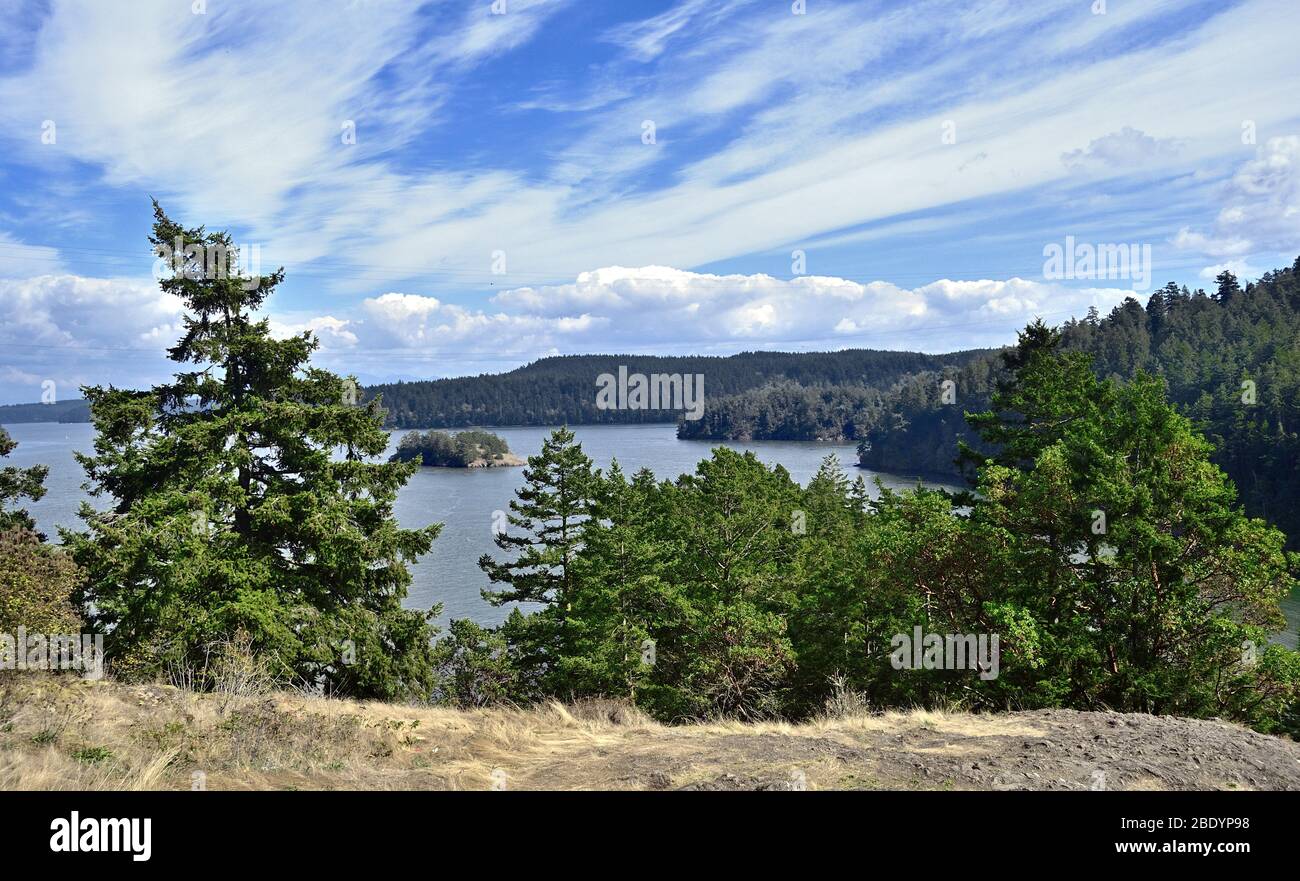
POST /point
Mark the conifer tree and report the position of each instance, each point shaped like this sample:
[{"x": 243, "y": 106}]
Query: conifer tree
[
  {"x": 18, "y": 483},
  {"x": 550, "y": 509},
  {"x": 1135, "y": 576},
  {"x": 544, "y": 529},
  {"x": 1228, "y": 286},
  {"x": 247, "y": 503},
  {"x": 626, "y": 609}
]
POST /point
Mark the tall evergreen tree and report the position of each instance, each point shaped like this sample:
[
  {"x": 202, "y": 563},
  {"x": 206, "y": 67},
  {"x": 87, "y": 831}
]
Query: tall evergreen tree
[
  {"x": 1228, "y": 286},
  {"x": 626, "y": 609},
  {"x": 247, "y": 503},
  {"x": 545, "y": 526},
  {"x": 551, "y": 507}
]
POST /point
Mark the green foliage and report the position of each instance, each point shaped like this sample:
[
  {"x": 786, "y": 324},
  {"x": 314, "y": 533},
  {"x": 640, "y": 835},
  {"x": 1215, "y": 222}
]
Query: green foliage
[
  {"x": 1102, "y": 547},
  {"x": 561, "y": 390},
  {"x": 459, "y": 450},
  {"x": 246, "y": 501},
  {"x": 37, "y": 582},
  {"x": 544, "y": 529},
  {"x": 92, "y": 755},
  {"x": 473, "y": 666},
  {"x": 1230, "y": 363},
  {"x": 1124, "y": 544},
  {"x": 18, "y": 483}
]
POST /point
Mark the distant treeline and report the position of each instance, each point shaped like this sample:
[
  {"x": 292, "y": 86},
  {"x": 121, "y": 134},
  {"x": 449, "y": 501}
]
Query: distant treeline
[
  {"x": 562, "y": 390},
  {"x": 62, "y": 411},
  {"x": 459, "y": 450}
]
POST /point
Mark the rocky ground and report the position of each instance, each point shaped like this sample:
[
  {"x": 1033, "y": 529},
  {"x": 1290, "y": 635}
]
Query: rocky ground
[{"x": 63, "y": 733}]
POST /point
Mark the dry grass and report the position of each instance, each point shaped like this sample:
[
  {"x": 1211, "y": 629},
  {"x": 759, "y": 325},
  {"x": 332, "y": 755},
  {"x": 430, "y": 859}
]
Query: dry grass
[{"x": 59, "y": 732}]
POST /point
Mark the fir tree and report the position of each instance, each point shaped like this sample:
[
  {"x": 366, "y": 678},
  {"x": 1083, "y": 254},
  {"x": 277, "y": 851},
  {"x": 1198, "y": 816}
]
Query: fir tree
[
  {"x": 547, "y": 516},
  {"x": 1228, "y": 286},
  {"x": 247, "y": 505}
]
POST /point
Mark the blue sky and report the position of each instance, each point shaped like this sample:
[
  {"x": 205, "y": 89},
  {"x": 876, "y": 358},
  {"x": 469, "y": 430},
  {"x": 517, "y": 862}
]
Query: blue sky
[{"x": 503, "y": 199}]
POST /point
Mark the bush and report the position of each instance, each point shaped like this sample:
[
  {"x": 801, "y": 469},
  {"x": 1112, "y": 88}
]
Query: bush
[{"x": 36, "y": 585}]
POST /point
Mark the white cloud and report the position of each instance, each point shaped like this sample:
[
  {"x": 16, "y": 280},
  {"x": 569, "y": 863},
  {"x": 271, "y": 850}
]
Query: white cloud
[
  {"x": 1239, "y": 268},
  {"x": 1261, "y": 208},
  {"x": 77, "y": 331},
  {"x": 98, "y": 331},
  {"x": 647, "y": 39},
  {"x": 18, "y": 259},
  {"x": 657, "y": 308},
  {"x": 817, "y": 147},
  {"x": 1123, "y": 150}
]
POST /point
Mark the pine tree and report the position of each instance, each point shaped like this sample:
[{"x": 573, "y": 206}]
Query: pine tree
[
  {"x": 247, "y": 505},
  {"x": 547, "y": 515}
]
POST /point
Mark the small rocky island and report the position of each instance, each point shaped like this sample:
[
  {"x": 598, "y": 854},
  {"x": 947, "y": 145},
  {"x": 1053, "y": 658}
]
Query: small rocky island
[{"x": 464, "y": 449}]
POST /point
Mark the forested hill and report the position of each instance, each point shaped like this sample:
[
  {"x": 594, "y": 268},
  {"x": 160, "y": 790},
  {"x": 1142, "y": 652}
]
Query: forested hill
[
  {"x": 62, "y": 411},
  {"x": 562, "y": 389},
  {"x": 1230, "y": 359}
]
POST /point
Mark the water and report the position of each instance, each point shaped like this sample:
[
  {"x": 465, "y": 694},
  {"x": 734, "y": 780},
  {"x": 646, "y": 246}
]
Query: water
[{"x": 464, "y": 500}]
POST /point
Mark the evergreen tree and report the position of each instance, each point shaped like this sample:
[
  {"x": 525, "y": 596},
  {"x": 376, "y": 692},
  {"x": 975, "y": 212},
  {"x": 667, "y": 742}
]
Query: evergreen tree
[
  {"x": 1228, "y": 287},
  {"x": 18, "y": 483},
  {"x": 1134, "y": 575},
  {"x": 1157, "y": 310},
  {"x": 547, "y": 516},
  {"x": 247, "y": 505},
  {"x": 733, "y": 521},
  {"x": 626, "y": 610},
  {"x": 1043, "y": 393}
]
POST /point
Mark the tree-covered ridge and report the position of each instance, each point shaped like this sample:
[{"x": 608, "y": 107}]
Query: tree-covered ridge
[
  {"x": 60, "y": 411},
  {"x": 562, "y": 390},
  {"x": 462, "y": 449},
  {"x": 788, "y": 411},
  {"x": 1102, "y": 548},
  {"x": 1230, "y": 361}
]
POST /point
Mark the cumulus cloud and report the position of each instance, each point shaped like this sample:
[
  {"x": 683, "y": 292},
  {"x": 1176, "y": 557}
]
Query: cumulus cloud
[
  {"x": 83, "y": 331},
  {"x": 1261, "y": 206},
  {"x": 1125, "y": 149},
  {"x": 659, "y": 308}
]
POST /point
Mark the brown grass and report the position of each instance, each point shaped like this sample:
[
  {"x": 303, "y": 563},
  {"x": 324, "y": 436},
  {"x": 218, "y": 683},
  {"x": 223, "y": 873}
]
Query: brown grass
[{"x": 59, "y": 732}]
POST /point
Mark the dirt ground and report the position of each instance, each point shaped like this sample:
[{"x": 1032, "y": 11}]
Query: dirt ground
[{"x": 64, "y": 733}]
